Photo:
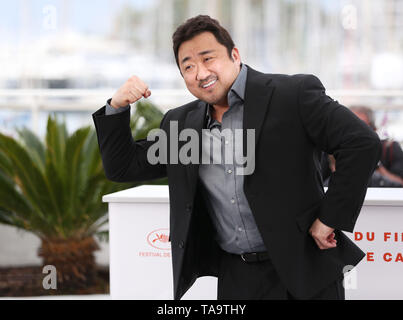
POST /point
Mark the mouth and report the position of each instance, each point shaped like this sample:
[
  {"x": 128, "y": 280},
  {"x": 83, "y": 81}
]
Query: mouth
[{"x": 209, "y": 84}]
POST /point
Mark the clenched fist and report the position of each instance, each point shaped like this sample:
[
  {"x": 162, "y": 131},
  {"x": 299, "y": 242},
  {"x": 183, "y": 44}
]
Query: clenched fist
[
  {"x": 323, "y": 235},
  {"x": 132, "y": 90}
]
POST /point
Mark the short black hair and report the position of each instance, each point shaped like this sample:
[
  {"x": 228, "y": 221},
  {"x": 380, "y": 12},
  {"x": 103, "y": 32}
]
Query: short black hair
[{"x": 199, "y": 24}]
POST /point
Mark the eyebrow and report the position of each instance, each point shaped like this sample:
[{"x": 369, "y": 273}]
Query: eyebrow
[{"x": 202, "y": 53}]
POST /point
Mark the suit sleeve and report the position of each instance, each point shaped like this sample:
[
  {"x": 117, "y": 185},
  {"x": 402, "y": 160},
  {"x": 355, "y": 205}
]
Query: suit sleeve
[
  {"x": 124, "y": 159},
  {"x": 335, "y": 130}
]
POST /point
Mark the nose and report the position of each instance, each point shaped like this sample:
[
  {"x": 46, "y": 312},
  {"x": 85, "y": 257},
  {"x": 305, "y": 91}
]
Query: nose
[{"x": 202, "y": 73}]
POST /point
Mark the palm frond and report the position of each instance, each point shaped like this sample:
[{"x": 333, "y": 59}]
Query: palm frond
[
  {"x": 28, "y": 176},
  {"x": 35, "y": 147},
  {"x": 55, "y": 188}
]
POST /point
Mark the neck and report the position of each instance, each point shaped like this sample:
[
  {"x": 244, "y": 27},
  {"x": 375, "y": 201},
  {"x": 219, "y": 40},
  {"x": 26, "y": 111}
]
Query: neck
[
  {"x": 218, "y": 111},
  {"x": 221, "y": 106}
]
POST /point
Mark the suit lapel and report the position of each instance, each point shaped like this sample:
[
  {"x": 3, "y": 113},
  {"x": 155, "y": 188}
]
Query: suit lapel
[
  {"x": 195, "y": 120},
  {"x": 258, "y": 94}
]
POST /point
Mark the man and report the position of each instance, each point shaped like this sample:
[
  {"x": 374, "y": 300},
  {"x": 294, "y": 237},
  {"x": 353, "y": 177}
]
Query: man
[
  {"x": 391, "y": 164},
  {"x": 263, "y": 237}
]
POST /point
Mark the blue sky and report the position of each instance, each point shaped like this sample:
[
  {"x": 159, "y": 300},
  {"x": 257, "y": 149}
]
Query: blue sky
[{"x": 91, "y": 16}]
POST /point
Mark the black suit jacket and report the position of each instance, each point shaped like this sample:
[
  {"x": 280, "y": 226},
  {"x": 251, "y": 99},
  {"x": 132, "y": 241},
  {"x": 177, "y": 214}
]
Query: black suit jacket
[{"x": 294, "y": 120}]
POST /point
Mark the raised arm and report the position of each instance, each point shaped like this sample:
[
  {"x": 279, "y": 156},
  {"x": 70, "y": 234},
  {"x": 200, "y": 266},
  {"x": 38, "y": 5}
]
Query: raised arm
[{"x": 124, "y": 159}]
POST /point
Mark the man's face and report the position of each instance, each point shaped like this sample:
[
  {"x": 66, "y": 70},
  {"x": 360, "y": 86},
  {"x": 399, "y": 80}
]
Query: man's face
[{"x": 207, "y": 69}]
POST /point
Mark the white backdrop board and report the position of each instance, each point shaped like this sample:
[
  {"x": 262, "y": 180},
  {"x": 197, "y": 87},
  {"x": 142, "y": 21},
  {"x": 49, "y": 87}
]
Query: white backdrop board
[{"x": 140, "y": 255}]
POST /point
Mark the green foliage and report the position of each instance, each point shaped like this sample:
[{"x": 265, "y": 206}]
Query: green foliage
[{"x": 54, "y": 188}]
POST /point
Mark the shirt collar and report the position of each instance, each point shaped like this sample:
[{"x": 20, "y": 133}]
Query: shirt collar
[{"x": 240, "y": 83}]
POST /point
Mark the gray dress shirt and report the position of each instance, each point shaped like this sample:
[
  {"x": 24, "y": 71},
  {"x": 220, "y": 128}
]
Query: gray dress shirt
[
  {"x": 111, "y": 110},
  {"x": 222, "y": 189},
  {"x": 236, "y": 230}
]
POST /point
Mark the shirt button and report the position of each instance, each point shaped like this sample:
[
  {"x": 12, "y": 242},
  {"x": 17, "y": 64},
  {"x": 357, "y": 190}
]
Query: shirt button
[
  {"x": 232, "y": 201},
  {"x": 240, "y": 229},
  {"x": 229, "y": 171}
]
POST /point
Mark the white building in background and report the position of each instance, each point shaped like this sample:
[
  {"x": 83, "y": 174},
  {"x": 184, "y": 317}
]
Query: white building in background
[
  {"x": 76, "y": 60},
  {"x": 341, "y": 41}
]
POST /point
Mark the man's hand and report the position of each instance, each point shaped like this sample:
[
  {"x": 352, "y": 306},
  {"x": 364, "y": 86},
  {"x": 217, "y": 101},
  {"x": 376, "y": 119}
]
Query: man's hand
[
  {"x": 323, "y": 235},
  {"x": 130, "y": 92}
]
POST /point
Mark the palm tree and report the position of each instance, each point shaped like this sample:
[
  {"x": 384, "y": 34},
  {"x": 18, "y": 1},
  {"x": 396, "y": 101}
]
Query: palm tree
[{"x": 54, "y": 190}]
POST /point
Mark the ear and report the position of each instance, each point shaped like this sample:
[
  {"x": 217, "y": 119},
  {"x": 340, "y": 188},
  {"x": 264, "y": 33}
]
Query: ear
[{"x": 236, "y": 56}]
